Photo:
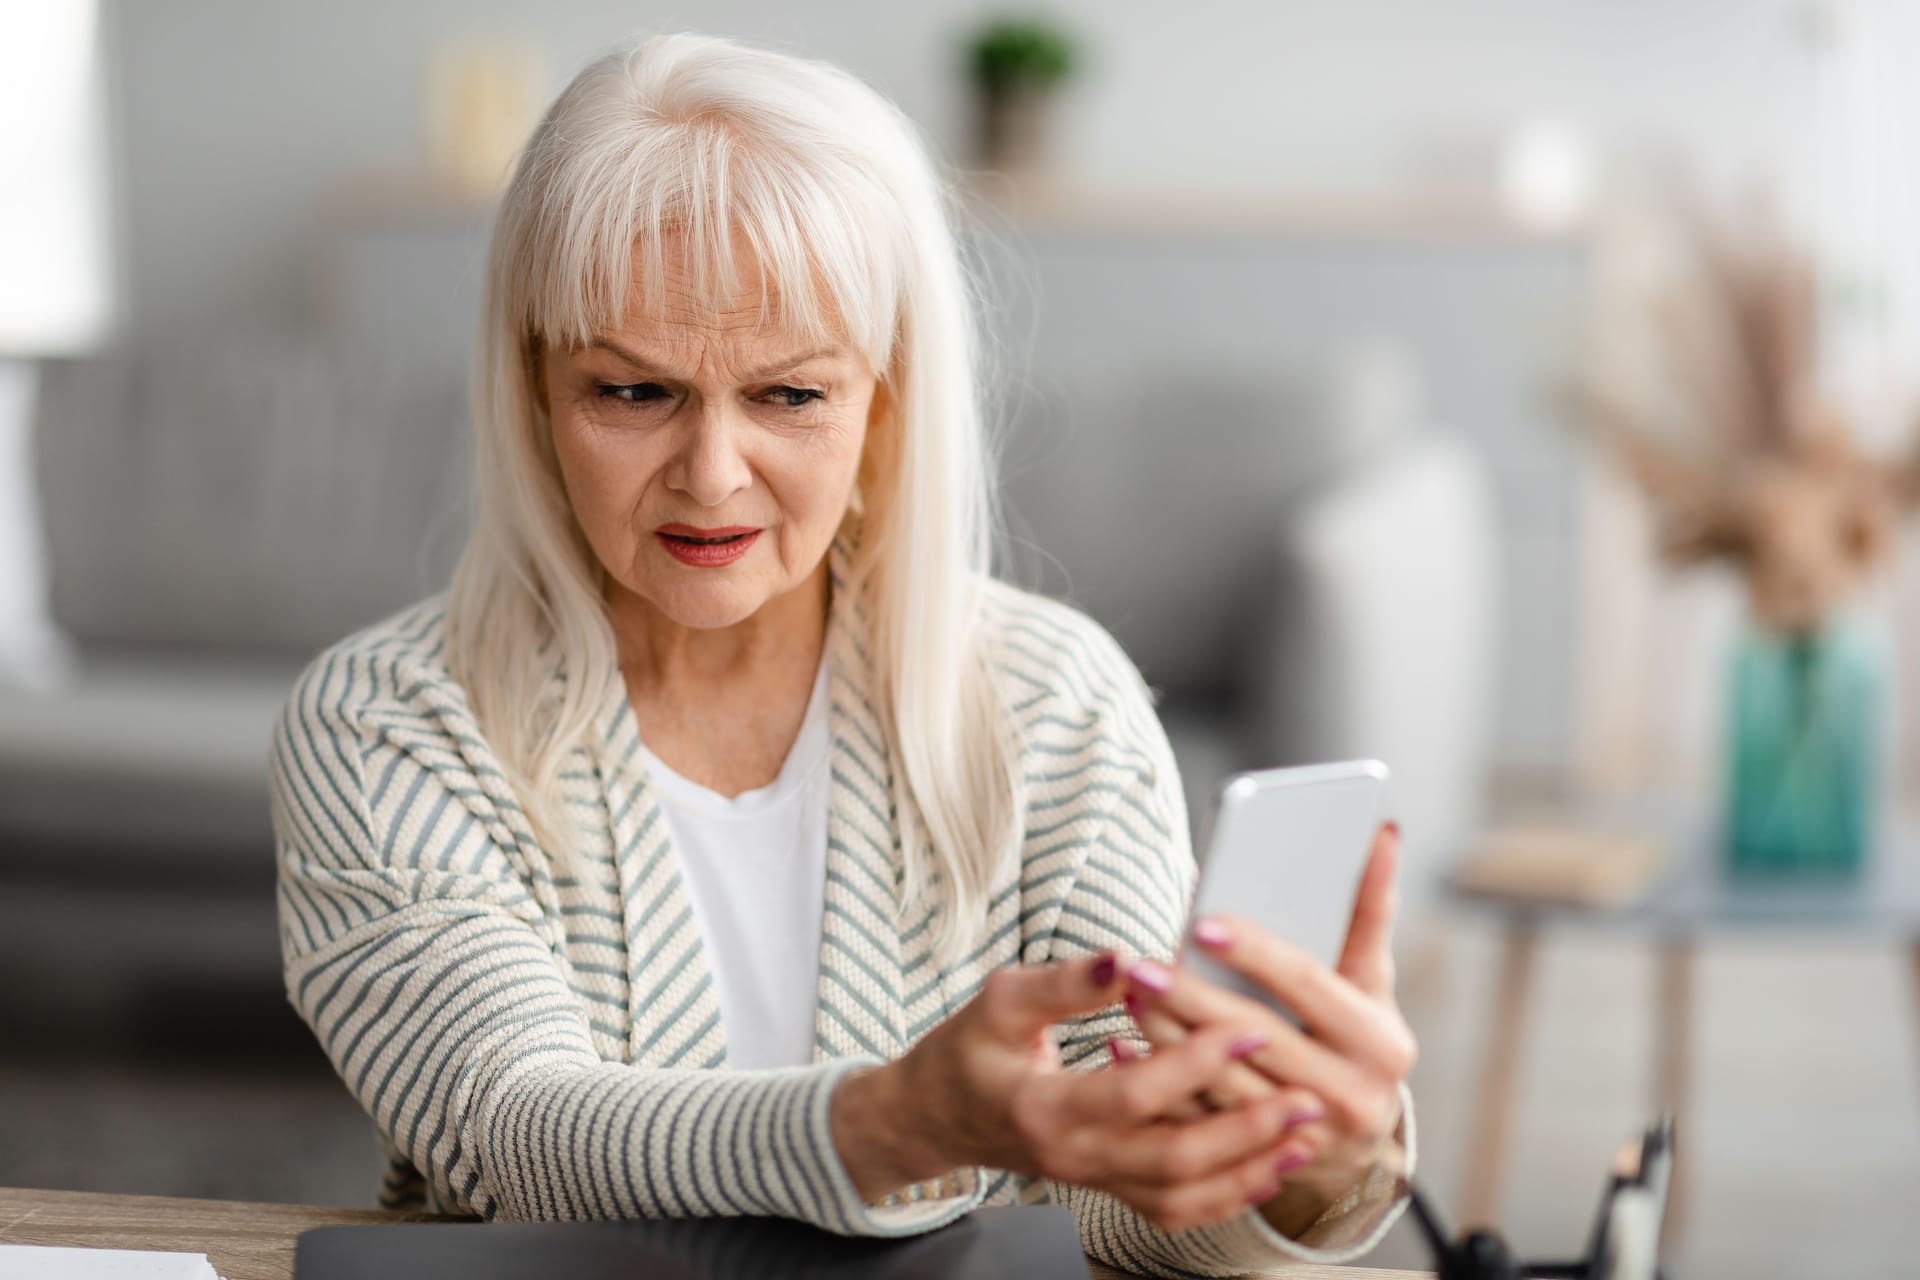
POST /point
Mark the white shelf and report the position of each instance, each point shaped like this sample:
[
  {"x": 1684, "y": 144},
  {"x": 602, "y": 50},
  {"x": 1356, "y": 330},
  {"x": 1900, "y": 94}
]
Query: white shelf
[{"x": 1028, "y": 205}]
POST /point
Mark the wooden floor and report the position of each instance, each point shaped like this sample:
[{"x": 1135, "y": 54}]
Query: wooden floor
[{"x": 1805, "y": 1141}]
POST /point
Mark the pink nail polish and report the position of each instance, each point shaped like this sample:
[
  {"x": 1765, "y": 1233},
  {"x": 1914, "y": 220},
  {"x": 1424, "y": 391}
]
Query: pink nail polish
[
  {"x": 1120, "y": 1050},
  {"x": 1248, "y": 1043},
  {"x": 1291, "y": 1161},
  {"x": 1154, "y": 977},
  {"x": 1306, "y": 1115},
  {"x": 1103, "y": 969},
  {"x": 1264, "y": 1194},
  {"x": 1212, "y": 934}
]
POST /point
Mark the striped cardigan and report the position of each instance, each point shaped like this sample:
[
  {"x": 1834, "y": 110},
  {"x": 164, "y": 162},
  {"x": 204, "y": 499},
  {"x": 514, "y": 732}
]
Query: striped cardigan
[{"x": 539, "y": 1042}]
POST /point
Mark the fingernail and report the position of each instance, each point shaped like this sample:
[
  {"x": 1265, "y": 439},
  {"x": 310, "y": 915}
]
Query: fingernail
[
  {"x": 1104, "y": 968},
  {"x": 1154, "y": 977},
  {"x": 1306, "y": 1115},
  {"x": 1291, "y": 1161},
  {"x": 1120, "y": 1049},
  {"x": 1248, "y": 1043},
  {"x": 1264, "y": 1194},
  {"x": 1133, "y": 1004},
  {"x": 1211, "y": 933},
  {"x": 1393, "y": 828}
]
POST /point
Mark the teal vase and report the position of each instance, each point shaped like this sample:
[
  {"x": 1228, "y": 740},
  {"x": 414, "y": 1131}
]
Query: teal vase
[{"x": 1805, "y": 733}]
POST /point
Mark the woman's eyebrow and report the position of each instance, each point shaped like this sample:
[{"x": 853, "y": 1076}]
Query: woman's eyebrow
[
  {"x": 782, "y": 365},
  {"x": 633, "y": 358}
]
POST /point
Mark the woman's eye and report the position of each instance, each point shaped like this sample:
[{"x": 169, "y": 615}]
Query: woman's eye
[
  {"x": 793, "y": 397},
  {"x": 633, "y": 392}
]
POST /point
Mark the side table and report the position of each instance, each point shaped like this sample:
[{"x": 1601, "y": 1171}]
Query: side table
[{"x": 1694, "y": 898}]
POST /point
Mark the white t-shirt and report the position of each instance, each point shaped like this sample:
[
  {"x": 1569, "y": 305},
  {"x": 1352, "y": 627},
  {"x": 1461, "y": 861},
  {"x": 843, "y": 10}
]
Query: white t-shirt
[{"x": 756, "y": 868}]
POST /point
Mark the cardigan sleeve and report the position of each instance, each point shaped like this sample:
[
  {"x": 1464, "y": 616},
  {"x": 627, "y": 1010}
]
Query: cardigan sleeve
[
  {"x": 435, "y": 991},
  {"x": 1131, "y": 893}
]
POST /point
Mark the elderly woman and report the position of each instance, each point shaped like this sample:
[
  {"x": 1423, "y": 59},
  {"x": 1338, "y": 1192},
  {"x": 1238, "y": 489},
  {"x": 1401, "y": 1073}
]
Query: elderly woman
[{"x": 726, "y": 840}]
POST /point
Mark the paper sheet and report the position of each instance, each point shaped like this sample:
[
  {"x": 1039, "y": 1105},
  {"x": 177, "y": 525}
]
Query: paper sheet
[{"x": 45, "y": 1262}]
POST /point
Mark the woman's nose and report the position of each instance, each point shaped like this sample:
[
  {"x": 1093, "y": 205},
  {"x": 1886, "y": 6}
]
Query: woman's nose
[{"x": 708, "y": 466}]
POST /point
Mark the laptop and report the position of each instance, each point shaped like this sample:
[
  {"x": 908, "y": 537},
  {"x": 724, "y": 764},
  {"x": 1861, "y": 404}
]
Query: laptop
[{"x": 1001, "y": 1243}]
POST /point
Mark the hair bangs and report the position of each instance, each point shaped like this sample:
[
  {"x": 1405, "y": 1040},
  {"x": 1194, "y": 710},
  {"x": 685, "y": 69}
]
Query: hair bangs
[{"x": 743, "y": 220}]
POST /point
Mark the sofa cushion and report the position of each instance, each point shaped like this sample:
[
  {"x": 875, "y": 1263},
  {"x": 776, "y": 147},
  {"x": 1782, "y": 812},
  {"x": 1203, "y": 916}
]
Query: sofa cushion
[
  {"x": 247, "y": 491},
  {"x": 1160, "y": 424},
  {"x": 1377, "y": 638}
]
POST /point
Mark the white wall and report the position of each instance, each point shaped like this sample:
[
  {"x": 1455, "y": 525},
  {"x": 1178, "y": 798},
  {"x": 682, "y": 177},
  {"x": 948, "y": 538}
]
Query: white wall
[
  {"x": 1352, "y": 94},
  {"x": 240, "y": 116}
]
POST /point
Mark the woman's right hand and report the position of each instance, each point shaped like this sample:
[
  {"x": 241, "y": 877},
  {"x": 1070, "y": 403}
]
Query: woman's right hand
[{"x": 986, "y": 1087}]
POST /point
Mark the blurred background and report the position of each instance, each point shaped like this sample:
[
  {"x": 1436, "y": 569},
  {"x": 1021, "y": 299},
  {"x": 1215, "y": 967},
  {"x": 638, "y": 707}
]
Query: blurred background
[{"x": 1538, "y": 376}]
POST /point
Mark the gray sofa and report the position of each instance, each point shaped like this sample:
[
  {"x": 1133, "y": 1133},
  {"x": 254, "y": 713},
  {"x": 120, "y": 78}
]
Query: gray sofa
[
  {"x": 1217, "y": 454},
  {"x": 1303, "y": 570},
  {"x": 1299, "y": 563},
  {"x": 216, "y": 510}
]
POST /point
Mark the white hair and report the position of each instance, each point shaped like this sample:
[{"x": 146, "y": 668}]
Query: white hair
[{"x": 828, "y": 185}]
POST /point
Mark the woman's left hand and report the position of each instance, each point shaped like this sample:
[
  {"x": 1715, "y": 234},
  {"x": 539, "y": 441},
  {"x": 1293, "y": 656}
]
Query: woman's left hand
[{"x": 1353, "y": 1050}]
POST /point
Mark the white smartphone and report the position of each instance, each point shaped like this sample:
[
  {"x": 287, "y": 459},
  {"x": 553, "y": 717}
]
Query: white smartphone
[{"x": 1288, "y": 849}]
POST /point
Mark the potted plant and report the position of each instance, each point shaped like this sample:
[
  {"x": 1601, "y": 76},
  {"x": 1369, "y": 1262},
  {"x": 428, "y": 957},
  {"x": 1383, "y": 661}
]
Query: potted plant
[
  {"x": 1704, "y": 384},
  {"x": 1016, "y": 67}
]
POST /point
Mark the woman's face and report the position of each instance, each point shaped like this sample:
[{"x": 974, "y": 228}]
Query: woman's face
[{"x": 709, "y": 460}]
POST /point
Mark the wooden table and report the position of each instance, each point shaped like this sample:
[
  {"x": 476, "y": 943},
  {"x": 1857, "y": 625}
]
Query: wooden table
[{"x": 255, "y": 1241}]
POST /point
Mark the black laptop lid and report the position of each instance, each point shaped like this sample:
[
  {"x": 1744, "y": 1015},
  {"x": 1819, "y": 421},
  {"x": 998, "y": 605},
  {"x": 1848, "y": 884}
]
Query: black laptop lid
[{"x": 1041, "y": 1242}]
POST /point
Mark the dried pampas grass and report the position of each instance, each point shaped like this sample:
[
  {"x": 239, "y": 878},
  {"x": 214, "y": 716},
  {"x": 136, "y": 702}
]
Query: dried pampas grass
[{"x": 1701, "y": 377}]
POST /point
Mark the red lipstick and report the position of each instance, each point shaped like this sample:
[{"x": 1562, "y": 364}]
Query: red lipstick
[{"x": 706, "y": 548}]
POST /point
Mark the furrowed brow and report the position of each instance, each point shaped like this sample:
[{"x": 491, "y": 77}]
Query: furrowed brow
[
  {"x": 783, "y": 365},
  {"x": 633, "y": 358},
  {"x": 794, "y": 362}
]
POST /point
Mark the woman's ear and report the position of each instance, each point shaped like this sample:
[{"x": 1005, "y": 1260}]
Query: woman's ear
[
  {"x": 880, "y": 411},
  {"x": 879, "y": 456},
  {"x": 537, "y": 371}
]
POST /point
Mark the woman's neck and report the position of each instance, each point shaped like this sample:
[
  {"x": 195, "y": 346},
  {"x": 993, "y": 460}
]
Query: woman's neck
[
  {"x": 786, "y": 632},
  {"x": 723, "y": 705}
]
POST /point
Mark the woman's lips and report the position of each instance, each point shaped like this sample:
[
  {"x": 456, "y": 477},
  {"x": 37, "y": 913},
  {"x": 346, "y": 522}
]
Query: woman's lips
[{"x": 705, "y": 548}]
